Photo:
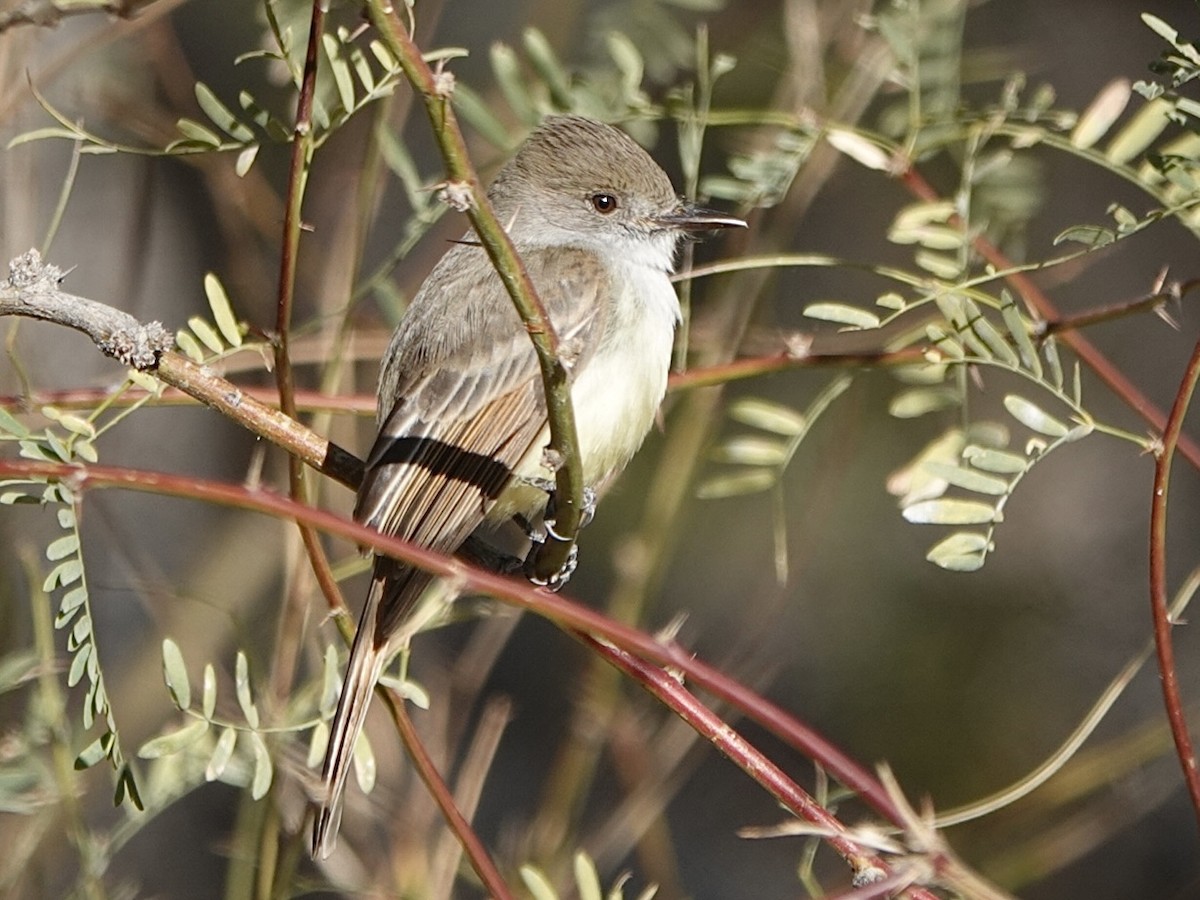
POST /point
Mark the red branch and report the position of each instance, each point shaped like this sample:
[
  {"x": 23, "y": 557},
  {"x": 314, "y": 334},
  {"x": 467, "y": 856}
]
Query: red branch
[
  {"x": 1158, "y": 582},
  {"x": 566, "y": 614}
]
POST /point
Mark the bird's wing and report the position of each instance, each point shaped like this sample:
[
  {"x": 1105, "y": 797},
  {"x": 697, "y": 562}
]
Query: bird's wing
[{"x": 468, "y": 397}]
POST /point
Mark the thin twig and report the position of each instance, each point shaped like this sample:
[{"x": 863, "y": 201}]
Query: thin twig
[
  {"x": 1158, "y": 582},
  {"x": 435, "y": 91},
  {"x": 480, "y": 860}
]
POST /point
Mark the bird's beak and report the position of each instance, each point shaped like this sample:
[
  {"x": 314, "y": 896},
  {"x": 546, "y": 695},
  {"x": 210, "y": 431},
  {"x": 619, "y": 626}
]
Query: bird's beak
[{"x": 693, "y": 218}]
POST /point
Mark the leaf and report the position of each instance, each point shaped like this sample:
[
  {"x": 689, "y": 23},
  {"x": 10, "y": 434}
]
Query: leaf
[
  {"x": 189, "y": 345},
  {"x": 342, "y": 77},
  {"x": 736, "y": 484},
  {"x": 547, "y": 65},
  {"x": 364, "y": 763},
  {"x": 1142, "y": 131},
  {"x": 968, "y": 479},
  {"x": 206, "y": 333},
  {"x": 1000, "y": 348},
  {"x": 749, "y": 450},
  {"x": 174, "y": 741},
  {"x": 221, "y": 755},
  {"x": 918, "y": 401},
  {"x": 1050, "y": 353},
  {"x": 1000, "y": 462},
  {"x": 1034, "y": 417},
  {"x": 330, "y": 688},
  {"x": 91, "y": 754},
  {"x": 768, "y": 416},
  {"x": 939, "y": 264},
  {"x": 1093, "y": 236},
  {"x": 61, "y": 548},
  {"x": 586, "y": 877},
  {"x": 317, "y": 745},
  {"x": 72, "y": 600},
  {"x": 963, "y": 551},
  {"x": 859, "y": 149},
  {"x": 79, "y": 665},
  {"x": 222, "y": 310},
  {"x": 85, "y": 450},
  {"x": 208, "y": 702},
  {"x": 950, "y": 511},
  {"x": 127, "y": 787},
  {"x": 1018, "y": 330},
  {"x": 507, "y": 70},
  {"x": 241, "y": 680},
  {"x": 261, "y": 782},
  {"x": 64, "y": 573},
  {"x": 175, "y": 674},
  {"x": 220, "y": 114},
  {"x": 538, "y": 884},
  {"x": 11, "y": 425},
  {"x": 891, "y": 300},
  {"x": 245, "y": 159},
  {"x": 843, "y": 314},
  {"x": 1100, "y": 115},
  {"x": 196, "y": 132}
]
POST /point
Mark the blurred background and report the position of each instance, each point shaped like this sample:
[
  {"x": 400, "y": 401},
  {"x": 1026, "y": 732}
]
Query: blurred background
[{"x": 961, "y": 683}]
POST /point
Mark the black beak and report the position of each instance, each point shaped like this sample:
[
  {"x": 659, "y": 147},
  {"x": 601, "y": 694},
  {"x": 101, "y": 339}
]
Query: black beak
[{"x": 692, "y": 218}]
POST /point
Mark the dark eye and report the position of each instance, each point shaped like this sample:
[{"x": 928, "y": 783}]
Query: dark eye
[{"x": 604, "y": 203}]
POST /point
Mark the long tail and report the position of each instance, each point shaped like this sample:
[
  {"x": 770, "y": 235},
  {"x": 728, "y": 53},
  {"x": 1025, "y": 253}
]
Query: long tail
[{"x": 391, "y": 587}]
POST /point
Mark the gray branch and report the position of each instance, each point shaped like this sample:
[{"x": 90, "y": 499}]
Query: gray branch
[{"x": 32, "y": 290}]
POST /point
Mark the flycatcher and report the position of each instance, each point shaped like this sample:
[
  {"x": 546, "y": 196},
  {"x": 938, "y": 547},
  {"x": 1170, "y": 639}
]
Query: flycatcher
[{"x": 462, "y": 409}]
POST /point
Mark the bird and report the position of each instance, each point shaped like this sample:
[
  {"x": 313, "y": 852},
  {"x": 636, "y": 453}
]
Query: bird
[{"x": 462, "y": 410}]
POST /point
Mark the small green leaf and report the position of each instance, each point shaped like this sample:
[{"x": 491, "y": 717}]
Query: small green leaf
[
  {"x": 1100, "y": 115},
  {"x": 189, "y": 345},
  {"x": 586, "y": 877},
  {"x": 1018, "y": 330},
  {"x": 221, "y": 755},
  {"x": 173, "y": 741},
  {"x": 963, "y": 551},
  {"x": 768, "y": 416},
  {"x": 1034, "y": 417},
  {"x": 364, "y": 763},
  {"x": 950, "y": 511},
  {"x": 1000, "y": 348},
  {"x": 891, "y": 300},
  {"x": 261, "y": 782},
  {"x": 245, "y": 159},
  {"x": 317, "y": 745},
  {"x": 538, "y": 884},
  {"x": 941, "y": 265},
  {"x": 127, "y": 787},
  {"x": 222, "y": 310},
  {"x": 918, "y": 401},
  {"x": 241, "y": 680},
  {"x": 750, "y": 450},
  {"x": 175, "y": 674},
  {"x": 736, "y": 484},
  {"x": 220, "y": 114},
  {"x": 79, "y": 665},
  {"x": 1093, "y": 236},
  {"x": 330, "y": 685},
  {"x": 208, "y": 702},
  {"x": 968, "y": 479},
  {"x": 86, "y": 450},
  {"x": 1053, "y": 363},
  {"x": 859, "y": 149},
  {"x": 1000, "y": 462},
  {"x": 342, "y": 77},
  {"x": 843, "y": 314},
  {"x": 206, "y": 333},
  {"x": 61, "y": 548},
  {"x": 194, "y": 131},
  {"x": 64, "y": 573},
  {"x": 92, "y": 754},
  {"x": 11, "y": 425},
  {"x": 507, "y": 69},
  {"x": 1142, "y": 131}
]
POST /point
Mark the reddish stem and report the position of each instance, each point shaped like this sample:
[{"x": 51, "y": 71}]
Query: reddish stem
[{"x": 1158, "y": 582}]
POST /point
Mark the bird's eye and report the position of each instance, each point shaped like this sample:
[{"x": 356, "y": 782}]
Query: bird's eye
[{"x": 604, "y": 203}]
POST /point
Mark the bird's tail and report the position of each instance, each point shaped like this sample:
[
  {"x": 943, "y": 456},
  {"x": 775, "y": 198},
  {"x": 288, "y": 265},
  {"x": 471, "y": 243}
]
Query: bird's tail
[{"x": 368, "y": 656}]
